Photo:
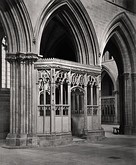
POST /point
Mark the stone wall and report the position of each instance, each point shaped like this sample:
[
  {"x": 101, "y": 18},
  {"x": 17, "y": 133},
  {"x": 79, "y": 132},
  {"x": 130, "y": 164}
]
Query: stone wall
[
  {"x": 102, "y": 13},
  {"x": 4, "y": 113}
]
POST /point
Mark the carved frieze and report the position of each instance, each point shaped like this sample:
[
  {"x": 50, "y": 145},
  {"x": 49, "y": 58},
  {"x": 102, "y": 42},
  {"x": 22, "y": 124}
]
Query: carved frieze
[
  {"x": 44, "y": 80},
  {"x": 71, "y": 77}
]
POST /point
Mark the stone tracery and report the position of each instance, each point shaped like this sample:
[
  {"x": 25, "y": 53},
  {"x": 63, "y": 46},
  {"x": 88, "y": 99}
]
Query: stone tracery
[{"x": 68, "y": 94}]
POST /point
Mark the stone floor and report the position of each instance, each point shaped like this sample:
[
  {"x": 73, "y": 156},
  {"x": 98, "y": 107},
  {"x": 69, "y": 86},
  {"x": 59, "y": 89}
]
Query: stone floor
[{"x": 114, "y": 150}]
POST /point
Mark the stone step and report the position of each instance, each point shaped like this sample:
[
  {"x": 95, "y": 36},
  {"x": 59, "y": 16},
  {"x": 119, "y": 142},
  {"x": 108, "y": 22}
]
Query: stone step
[{"x": 78, "y": 140}]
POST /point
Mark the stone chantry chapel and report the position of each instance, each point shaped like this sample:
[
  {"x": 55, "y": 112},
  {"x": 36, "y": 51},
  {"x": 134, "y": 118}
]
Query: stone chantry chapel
[{"x": 66, "y": 67}]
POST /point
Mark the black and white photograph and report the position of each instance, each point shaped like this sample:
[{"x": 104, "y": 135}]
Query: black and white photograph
[{"x": 67, "y": 82}]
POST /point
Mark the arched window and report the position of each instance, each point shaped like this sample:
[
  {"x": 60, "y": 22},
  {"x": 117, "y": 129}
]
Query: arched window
[
  {"x": 107, "y": 86},
  {"x": 5, "y": 66},
  {"x": 42, "y": 99},
  {"x": 58, "y": 94},
  {"x": 65, "y": 93},
  {"x": 94, "y": 95},
  {"x": 88, "y": 95}
]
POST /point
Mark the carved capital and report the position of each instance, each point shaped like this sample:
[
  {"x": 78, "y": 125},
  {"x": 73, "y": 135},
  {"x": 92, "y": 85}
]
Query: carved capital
[
  {"x": 10, "y": 57},
  {"x": 126, "y": 76},
  {"x": 116, "y": 92},
  {"x": 133, "y": 75}
]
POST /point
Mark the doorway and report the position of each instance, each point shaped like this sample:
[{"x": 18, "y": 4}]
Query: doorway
[{"x": 77, "y": 112}]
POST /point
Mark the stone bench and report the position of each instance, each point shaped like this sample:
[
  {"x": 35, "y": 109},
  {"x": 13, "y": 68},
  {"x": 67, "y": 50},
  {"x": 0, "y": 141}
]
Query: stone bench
[{"x": 116, "y": 130}]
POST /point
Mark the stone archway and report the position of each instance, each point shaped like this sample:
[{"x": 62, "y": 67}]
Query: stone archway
[
  {"x": 109, "y": 99},
  {"x": 17, "y": 27},
  {"x": 21, "y": 57},
  {"x": 67, "y": 22},
  {"x": 74, "y": 18},
  {"x": 77, "y": 112},
  {"x": 118, "y": 40}
]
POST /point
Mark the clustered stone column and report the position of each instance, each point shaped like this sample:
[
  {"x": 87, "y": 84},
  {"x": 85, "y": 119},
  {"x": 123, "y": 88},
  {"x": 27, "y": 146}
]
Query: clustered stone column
[
  {"x": 22, "y": 101},
  {"x": 128, "y": 104},
  {"x": 69, "y": 102},
  {"x": 117, "y": 112},
  {"x": 98, "y": 93},
  {"x": 133, "y": 75},
  {"x": 125, "y": 99},
  {"x": 52, "y": 100},
  {"x": 85, "y": 110}
]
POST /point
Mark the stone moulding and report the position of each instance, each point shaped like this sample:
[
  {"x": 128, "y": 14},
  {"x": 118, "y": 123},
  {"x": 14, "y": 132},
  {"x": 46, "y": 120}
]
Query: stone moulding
[
  {"x": 68, "y": 65},
  {"x": 95, "y": 135},
  {"x": 54, "y": 139},
  {"x": 21, "y": 56},
  {"x": 21, "y": 140}
]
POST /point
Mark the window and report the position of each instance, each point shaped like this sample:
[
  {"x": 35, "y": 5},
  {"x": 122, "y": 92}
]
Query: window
[
  {"x": 107, "y": 56},
  {"x": 5, "y": 66}
]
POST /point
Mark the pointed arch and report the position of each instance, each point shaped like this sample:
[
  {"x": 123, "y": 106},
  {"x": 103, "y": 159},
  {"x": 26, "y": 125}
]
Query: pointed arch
[
  {"x": 106, "y": 70},
  {"x": 76, "y": 17},
  {"x": 120, "y": 36},
  {"x": 17, "y": 25},
  {"x": 122, "y": 31}
]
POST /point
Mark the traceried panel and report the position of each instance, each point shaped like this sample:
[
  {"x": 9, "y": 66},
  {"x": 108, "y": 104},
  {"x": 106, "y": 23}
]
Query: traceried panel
[
  {"x": 72, "y": 92},
  {"x": 44, "y": 93}
]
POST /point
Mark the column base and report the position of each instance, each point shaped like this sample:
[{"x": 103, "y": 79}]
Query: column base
[
  {"x": 3, "y": 135},
  {"x": 128, "y": 130},
  {"x": 134, "y": 130},
  {"x": 95, "y": 135},
  {"x": 54, "y": 139},
  {"x": 21, "y": 140}
]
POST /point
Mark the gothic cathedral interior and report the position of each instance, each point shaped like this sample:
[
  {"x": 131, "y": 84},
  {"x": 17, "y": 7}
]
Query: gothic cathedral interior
[{"x": 66, "y": 67}]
